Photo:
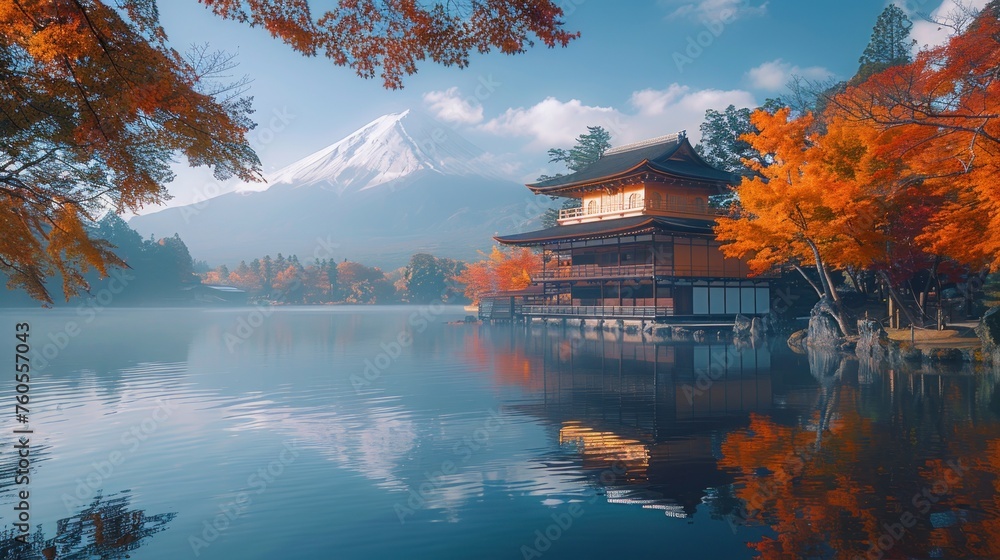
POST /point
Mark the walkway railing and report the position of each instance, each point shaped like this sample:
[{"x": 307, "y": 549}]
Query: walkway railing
[{"x": 597, "y": 312}]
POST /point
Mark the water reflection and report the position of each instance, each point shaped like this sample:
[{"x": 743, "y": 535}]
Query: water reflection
[
  {"x": 838, "y": 459},
  {"x": 106, "y": 529}
]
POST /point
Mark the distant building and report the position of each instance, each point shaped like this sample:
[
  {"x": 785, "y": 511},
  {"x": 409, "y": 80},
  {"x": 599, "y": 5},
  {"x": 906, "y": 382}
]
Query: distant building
[
  {"x": 216, "y": 295},
  {"x": 640, "y": 247}
]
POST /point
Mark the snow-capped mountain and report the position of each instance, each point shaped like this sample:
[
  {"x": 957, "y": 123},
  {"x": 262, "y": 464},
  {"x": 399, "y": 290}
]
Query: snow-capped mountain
[
  {"x": 390, "y": 147},
  {"x": 401, "y": 184}
]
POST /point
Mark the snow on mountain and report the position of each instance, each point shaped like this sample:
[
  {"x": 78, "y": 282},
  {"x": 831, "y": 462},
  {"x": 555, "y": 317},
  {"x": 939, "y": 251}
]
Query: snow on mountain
[
  {"x": 401, "y": 184},
  {"x": 388, "y": 148}
]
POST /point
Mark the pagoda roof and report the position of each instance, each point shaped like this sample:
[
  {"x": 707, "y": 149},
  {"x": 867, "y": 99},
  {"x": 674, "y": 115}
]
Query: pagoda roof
[
  {"x": 669, "y": 155},
  {"x": 609, "y": 228}
]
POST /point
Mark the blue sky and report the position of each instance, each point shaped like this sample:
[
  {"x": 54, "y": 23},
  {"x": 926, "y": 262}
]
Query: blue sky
[{"x": 641, "y": 68}]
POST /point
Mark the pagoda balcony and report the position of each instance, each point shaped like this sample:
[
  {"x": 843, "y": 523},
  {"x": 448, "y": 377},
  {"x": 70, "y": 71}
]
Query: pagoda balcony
[
  {"x": 648, "y": 207},
  {"x": 596, "y": 271}
]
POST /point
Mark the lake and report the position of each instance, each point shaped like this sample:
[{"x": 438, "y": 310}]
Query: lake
[{"x": 393, "y": 432}]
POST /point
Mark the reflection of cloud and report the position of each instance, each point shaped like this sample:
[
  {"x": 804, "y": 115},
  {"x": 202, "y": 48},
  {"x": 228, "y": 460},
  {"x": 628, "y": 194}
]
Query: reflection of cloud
[
  {"x": 373, "y": 444},
  {"x": 449, "y": 493}
]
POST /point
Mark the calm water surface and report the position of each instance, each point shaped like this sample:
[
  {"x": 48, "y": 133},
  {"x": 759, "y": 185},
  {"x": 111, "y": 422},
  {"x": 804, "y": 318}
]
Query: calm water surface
[{"x": 390, "y": 433}]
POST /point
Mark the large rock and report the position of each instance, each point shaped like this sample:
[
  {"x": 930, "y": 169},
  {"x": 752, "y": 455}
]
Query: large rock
[
  {"x": 823, "y": 330},
  {"x": 873, "y": 342},
  {"x": 826, "y": 365},
  {"x": 758, "y": 328},
  {"x": 988, "y": 330},
  {"x": 742, "y": 325}
]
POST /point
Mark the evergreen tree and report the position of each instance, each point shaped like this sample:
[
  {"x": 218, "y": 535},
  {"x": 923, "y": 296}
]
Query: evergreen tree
[
  {"x": 267, "y": 273},
  {"x": 425, "y": 278},
  {"x": 890, "y": 43},
  {"x": 588, "y": 149},
  {"x": 332, "y": 277},
  {"x": 722, "y": 144}
]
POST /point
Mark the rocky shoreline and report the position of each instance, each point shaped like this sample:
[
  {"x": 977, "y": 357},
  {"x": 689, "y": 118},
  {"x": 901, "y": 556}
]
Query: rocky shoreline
[{"x": 873, "y": 342}]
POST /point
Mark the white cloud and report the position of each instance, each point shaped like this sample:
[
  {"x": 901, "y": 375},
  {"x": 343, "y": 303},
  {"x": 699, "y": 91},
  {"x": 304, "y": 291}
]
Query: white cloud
[
  {"x": 449, "y": 106},
  {"x": 551, "y": 122},
  {"x": 773, "y": 75},
  {"x": 930, "y": 34},
  {"x": 713, "y": 10}
]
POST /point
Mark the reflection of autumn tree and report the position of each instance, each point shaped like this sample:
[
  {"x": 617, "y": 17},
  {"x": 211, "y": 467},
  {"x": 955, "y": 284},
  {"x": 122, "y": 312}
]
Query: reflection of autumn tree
[
  {"x": 835, "y": 490},
  {"x": 972, "y": 525},
  {"x": 106, "y": 529}
]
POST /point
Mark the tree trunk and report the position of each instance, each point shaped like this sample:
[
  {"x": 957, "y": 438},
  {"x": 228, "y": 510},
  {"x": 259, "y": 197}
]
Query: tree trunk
[
  {"x": 931, "y": 279},
  {"x": 819, "y": 292},
  {"x": 895, "y": 297},
  {"x": 856, "y": 281},
  {"x": 824, "y": 274}
]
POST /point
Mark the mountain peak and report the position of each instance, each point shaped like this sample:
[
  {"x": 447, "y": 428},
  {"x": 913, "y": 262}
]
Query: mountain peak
[{"x": 388, "y": 148}]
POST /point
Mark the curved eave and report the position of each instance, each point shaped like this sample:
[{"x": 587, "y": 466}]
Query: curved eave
[
  {"x": 642, "y": 167},
  {"x": 607, "y": 228}
]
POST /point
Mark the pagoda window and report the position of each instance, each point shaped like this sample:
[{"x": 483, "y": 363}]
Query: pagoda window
[
  {"x": 699, "y": 204},
  {"x": 592, "y": 207},
  {"x": 654, "y": 201},
  {"x": 633, "y": 200}
]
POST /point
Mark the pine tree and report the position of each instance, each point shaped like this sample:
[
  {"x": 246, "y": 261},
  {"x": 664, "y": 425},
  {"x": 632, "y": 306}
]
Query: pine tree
[
  {"x": 588, "y": 149},
  {"x": 890, "y": 44}
]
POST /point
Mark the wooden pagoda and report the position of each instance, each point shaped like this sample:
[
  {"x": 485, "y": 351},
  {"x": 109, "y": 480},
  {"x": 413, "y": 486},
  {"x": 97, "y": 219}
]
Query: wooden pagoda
[{"x": 640, "y": 246}]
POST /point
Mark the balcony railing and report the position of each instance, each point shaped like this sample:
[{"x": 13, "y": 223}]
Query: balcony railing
[
  {"x": 597, "y": 312},
  {"x": 641, "y": 271},
  {"x": 647, "y": 205},
  {"x": 596, "y": 271}
]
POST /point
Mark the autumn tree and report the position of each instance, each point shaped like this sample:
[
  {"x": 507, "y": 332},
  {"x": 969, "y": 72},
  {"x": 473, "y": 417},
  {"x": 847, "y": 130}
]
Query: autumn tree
[
  {"x": 946, "y": 98},
  {"x": 288, "y": 284},
  {"x": 364, "y": 284},
  {"x": 246, "y": 278},
  {"x": 95, "y": 109},
  {"x": 389, "y": 37},
  {"x": 783, "y": 218},
  {"x": 503, "y": 270},
  {"x": 219, "y": 276},
  {"x": 97, "y": 105}
]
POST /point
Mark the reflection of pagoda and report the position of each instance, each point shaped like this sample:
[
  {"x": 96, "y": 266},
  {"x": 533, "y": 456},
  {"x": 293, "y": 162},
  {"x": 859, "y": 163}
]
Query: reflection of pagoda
[
  {"x": 640, "y": 247},
  {"x": 656, "y": 412}
]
